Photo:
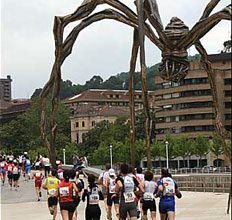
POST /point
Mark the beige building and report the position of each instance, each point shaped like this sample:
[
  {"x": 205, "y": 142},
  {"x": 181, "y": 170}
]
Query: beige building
[
  {"x": 187, "y": 107},
  {"x": 85, "y": 117}
]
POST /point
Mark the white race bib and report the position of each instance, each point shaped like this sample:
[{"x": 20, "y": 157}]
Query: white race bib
[
  {"x": 64, "y": 191},
  {"x": 148, "y": 196},
  {"x": 37, "y": 174},
  {"x": 51, "y": 192},
  {"x": 129, "y": 197},
  {"x": 93, "y": 199}
]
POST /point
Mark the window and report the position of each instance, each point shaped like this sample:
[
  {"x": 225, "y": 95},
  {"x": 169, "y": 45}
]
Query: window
[
  {"x": 93, "y": 123},
  {"x": 228, "y": 117},
  {"x": 227, "y": 104},
  {"x": 176, "y": 95},
  {"x": 83, "y": 124},
  {"x": 117, "y": 96},
  {"x": 167, "y": 85},
  {"x": 166, "y": 96},
  {"x": 228, "y": 81},
  {"x": 77, "y": 124},
  {"x": 228, "y": 93}
]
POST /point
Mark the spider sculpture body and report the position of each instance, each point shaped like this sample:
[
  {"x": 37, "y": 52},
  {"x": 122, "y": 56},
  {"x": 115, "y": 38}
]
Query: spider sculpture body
[{"x": 173, "y": 41}]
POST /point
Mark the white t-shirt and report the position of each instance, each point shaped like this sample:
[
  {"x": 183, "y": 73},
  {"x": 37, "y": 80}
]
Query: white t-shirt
[{"x": 46, "y": 161}]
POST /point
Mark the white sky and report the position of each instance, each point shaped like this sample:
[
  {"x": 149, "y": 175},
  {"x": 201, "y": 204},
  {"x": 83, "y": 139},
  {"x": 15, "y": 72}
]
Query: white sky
[{"x": 27, "y": 46}]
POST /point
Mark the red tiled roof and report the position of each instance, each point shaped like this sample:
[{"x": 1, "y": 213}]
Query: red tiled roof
[
  {"x": 103, "y": 95},
  {"x": 14, "y": 106},
  {"x": 106, "y": 110}
]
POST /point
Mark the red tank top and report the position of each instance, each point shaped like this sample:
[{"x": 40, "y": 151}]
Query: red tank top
[
  {"x": 38, "y": 177},
  {"x": 66, "y": 191}
]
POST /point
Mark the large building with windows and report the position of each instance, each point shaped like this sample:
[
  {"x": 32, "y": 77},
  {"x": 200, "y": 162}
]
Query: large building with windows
[
  {"x": 186, "y": 107},
  {"x": 5, "y": 88}
]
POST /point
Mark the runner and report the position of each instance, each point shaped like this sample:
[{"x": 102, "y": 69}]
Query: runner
[
  {"x": 126, "y": 185},
  {"x": 102, "y": 181},
  {"x": 140, "y": 177},
  {"x": 3, "y": 168},
  {"x": 60, "y": 172},
  {"x": 51, "y": 185},
  {"x": 93, "y": 194},
  {"x": 65, "y": 194},
  {"x": 148, "y": 199},
  {"x": 27, "y": 168},
  {"x": 167, "y": 189},
  {"x": 9, "y": 172},
  {"x": 76, "y": 196},
  {"x": 38, "y": 176},
  {"x": 15, "y": 174},
  {"x": 46, "y": 163},
  {"x": 37, "y": 164},
  {"x": 111, "y": 196}
]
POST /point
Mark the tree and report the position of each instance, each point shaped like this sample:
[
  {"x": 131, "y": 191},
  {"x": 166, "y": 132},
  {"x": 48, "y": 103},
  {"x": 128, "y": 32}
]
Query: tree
[
  {"x": 201, "y": 146},
  {"x": 216, "y": 146},
  {"x": 157, "y": 150}
]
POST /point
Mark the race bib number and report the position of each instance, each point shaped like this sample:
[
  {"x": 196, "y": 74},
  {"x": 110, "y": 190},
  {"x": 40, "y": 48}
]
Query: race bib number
[
  {"x": 169, "y": 187},
  {"x": 148, "y": 196},
  {"x": 112, "y": 189},
  {"x": 129, "y": 197},
  {"x": 93, "y": 199},
  {"x": 51, "y": 192},
  {"x": 37, "y": 174},
  {"x": 64, "y": 191},
  {"x": 60, "y": 175},
  {"x": 15, "y": 170},
  {"x": 81, "y": 176}
]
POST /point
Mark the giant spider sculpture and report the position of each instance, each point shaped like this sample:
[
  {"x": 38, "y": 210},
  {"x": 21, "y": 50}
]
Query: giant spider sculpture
[{"x": 173, "y": 41}]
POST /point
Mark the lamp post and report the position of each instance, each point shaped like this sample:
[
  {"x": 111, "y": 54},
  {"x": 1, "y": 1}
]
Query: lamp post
[
  {"x": 64, "y": 156},
  {"x": 111, "y": 157},
  {"x": 166, "y": 145}
]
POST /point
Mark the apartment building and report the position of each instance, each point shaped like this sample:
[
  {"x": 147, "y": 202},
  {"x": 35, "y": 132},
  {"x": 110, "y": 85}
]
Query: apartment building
[
  {"x": 5, "y": 88},
  {"x": 186, "y": 107}
]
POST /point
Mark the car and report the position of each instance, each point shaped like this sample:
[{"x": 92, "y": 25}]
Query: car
[{"x": 209, "y": 169}]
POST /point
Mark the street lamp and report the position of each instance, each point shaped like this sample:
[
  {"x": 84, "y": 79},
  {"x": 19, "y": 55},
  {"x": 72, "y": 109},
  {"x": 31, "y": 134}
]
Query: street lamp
[
  {"x": 111, "y": 157},
  {"x": 64, "y": 155},
  {"x": 166, "y": 145}
]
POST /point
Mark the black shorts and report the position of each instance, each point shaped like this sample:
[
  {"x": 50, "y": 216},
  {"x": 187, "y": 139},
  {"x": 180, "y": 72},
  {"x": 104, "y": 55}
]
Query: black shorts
[
  {"x": 146, "y": 205},
  {"x": 76, "y": 201},
  {"x": 127, "y": 208},
  {"x": 53, "y": 200},
  {"x": 10, "y": 176},
  {"x": 15, "y": 177},
  {"x": 110, "y": 200},
  {"x": 69, "y": 206},
  {"x": 93, "y": 212}
]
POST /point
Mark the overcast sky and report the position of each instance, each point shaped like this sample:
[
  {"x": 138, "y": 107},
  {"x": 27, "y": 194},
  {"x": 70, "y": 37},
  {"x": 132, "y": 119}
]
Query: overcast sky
[{"x": 104, "y": 48}]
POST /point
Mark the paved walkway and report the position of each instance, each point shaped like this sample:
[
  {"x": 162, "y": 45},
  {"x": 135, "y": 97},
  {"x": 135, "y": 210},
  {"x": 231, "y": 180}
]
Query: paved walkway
[{"x": 22, "y": 205}]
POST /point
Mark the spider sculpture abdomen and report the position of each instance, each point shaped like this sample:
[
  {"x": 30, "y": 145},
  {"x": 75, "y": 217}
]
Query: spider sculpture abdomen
[{"x": 175, "y": 64}]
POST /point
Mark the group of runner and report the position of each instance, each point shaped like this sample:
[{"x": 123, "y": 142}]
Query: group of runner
[
  {"x": 131, "y": 192},
  {"x": 13, "y": 167}
]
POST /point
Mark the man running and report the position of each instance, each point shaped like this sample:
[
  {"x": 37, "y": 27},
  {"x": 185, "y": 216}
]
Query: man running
[
  {"x": 51, "y": 184},
  {"x": 3, "y": 168},
  {"x": 148, "y": 199},
  {"x": 102, "y": 182},
  {"x": 15, "y": 174},
  {"x": 125, "y": 186},
  {"x": 38, "y": 176},
  {"x": 27, "y": 165},
  {"x": 10, "y": 172},
  {"x": 111, "y": 196}
]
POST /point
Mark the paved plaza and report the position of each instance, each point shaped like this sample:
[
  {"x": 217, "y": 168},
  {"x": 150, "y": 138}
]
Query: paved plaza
[{"x": 22, "y": 204}]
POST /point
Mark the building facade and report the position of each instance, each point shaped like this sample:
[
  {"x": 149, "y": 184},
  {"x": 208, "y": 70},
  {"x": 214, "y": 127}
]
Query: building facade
[
  {"x": 186, "y": 107},
  {"x": 86, "y": 116},
  {"x": 5, "y": 88}
]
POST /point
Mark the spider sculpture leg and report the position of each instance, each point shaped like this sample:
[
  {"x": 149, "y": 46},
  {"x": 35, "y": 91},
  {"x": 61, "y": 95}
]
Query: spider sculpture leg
[
  {"x": 134, "y": 55},
  {"x": 140, "y": 11},
  {"x": 208, "y": 68}
]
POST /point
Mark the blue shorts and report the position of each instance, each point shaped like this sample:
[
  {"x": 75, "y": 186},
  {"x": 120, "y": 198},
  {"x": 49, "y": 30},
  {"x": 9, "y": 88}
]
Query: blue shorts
[
  {"x": 3, "y": 171},
  {"x": 167, "y": 205},
  {"x": 27, "y": 169}
]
